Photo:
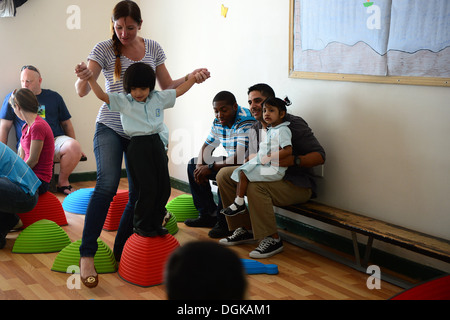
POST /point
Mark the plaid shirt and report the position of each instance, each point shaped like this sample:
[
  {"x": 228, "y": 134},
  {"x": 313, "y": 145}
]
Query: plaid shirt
[{"x": 234, "y": 136}]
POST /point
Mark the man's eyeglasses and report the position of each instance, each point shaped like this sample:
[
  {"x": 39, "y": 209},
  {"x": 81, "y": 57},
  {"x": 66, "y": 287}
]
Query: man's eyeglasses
[{"x": 32, "y": 68}]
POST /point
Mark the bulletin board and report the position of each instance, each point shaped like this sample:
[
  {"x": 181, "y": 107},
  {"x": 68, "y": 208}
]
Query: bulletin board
[{"x": 381, "y": 41}]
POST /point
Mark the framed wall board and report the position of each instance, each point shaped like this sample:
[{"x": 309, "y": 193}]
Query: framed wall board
[{"x": 381, "y": 41}]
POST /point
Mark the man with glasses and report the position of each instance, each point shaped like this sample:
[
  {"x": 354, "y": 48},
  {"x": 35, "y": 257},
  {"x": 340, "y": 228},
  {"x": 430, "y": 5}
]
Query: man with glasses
[{"x": 54, "y": 110}]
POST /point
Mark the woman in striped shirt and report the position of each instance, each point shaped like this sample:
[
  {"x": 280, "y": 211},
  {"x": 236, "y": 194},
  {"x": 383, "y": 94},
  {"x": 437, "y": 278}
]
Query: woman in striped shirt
[{"x": 112, "y": 57}]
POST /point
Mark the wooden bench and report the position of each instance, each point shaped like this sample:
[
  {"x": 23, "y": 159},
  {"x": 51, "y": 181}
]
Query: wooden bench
[{"x": 427, "y": 245}]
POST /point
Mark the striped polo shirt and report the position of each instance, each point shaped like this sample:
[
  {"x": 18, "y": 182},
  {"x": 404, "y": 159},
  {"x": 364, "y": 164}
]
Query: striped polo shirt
[
  {"x": 103, "y": 54},
  {"x": 234, "y": 136}
]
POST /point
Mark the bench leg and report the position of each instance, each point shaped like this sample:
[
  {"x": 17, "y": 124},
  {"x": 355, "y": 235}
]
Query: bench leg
[
  {"x": 356, "y": 249},
  {"x": 368, "y": 250},
  {"x": 286, "y": 236}
]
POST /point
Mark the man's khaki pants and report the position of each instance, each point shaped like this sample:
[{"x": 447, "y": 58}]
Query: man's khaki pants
[{"x": 261, "y": 197}]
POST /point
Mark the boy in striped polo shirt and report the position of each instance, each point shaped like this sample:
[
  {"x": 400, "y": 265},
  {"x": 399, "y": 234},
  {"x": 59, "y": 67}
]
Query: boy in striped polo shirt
[{"x": 229, "y": 129}]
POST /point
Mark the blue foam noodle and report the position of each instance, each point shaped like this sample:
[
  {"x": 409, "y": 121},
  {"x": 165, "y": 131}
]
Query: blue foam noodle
[{"x": 256, "y": 267}]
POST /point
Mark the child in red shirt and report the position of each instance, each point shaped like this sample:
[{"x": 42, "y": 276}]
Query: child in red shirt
[{"x": 37, "y": 144}]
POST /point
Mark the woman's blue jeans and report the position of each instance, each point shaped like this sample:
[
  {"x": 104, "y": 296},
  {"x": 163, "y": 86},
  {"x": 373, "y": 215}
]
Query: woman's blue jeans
[{"x": 109, "y": 149}]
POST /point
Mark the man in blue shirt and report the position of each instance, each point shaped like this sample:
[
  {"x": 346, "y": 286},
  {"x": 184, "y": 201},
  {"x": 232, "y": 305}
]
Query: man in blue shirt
[
  {"x": 18, "y": 190},
  {"x": 53, "y": 109},
  {"x": 229, "y": 129}
]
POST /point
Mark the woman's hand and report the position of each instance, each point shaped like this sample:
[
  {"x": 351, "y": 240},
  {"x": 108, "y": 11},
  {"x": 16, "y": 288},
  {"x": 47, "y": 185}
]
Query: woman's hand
[
  {"x": 200, "y": 75},
  {"x": 82, "y": 71}
]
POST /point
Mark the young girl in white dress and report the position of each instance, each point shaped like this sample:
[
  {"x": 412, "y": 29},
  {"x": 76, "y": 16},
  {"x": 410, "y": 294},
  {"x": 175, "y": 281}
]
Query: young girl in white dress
[{"x": 263, "y": 166}]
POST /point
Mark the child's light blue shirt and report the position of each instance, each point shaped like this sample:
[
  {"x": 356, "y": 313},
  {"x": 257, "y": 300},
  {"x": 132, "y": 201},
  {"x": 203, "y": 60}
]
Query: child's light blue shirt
[{"x": 143, "y": 118}]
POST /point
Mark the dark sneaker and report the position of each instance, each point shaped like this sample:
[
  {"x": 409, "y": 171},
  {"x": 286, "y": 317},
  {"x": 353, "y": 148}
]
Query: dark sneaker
[
  {"x": 18, "y": 225},
  {"x": 239, "y": 236},
  {"x": 4, "y": 229},
  {"x": 232, "y": 212},
  {"x": 204, "y": 221},
  {"x": 267, "y": 247},
  {"x": 161, "y": 231},
  {"x": 220, "y": 230},
  {"x": 167, "y": 217}
]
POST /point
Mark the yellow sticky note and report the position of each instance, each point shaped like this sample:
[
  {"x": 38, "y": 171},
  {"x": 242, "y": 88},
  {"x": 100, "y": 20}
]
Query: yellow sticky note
[{"x": 224, "y": 11}]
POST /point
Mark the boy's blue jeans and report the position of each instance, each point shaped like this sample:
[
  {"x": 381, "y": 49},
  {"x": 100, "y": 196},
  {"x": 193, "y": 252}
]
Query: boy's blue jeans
[
  {"x": 13, "y": 200},
  {"x": 109, "y": 149},
  {"x": 202, "y": 195}
]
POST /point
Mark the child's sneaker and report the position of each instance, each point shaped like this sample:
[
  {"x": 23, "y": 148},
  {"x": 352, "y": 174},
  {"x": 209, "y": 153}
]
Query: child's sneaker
[
  {"x": 233, "y": 210},
  {"x": 267, "y": 247},
  {"x": 240, "y": 235},
  {"x": 166, "y": 218}
]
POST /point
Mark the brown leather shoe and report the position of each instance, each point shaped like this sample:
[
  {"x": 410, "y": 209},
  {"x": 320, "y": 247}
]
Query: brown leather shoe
[{"x": 90, "y": 281}]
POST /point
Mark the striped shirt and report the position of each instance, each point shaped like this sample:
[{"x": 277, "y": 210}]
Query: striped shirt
[
  {"x": 17, "y": 171},
  {"x": 103, "y": 54},
  {"x": 234, "y": 136}
]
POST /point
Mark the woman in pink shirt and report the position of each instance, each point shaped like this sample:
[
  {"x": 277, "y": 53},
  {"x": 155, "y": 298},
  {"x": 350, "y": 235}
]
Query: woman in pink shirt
[{"x": 37, "y": 144}]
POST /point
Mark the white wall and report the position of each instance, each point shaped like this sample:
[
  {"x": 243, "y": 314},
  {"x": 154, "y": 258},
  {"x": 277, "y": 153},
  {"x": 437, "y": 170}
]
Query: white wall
[
  {"x": 38, "y": 35},
  {"x": 388, "y": 151}
]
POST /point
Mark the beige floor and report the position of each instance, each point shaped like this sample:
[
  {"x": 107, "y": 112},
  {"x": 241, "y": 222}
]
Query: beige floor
[{"x": 302, "y": 275}]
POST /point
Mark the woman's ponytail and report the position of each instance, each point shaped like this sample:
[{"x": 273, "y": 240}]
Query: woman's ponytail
[{"x": 117, "y": 46}]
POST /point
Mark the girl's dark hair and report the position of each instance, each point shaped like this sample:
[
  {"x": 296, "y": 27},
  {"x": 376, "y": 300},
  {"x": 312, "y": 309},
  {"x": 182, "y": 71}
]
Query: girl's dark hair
[
  {"x": 278, "y": 103},
  {"x": 123, "y": 9},
  {"x": 139, "y": 75},
  {"x": 26, "y": 99}
]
